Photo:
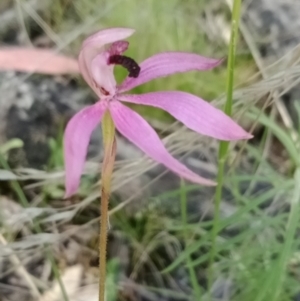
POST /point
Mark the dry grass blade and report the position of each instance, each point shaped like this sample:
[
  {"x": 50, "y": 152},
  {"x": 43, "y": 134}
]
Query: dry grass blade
[{"x": 21, "y": 271}]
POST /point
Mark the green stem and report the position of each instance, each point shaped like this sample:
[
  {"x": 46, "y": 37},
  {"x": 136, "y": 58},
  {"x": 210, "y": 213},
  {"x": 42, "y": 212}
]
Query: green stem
[
  {"x": 109, "y": 142},
  {"x": 223, "y": 148}
]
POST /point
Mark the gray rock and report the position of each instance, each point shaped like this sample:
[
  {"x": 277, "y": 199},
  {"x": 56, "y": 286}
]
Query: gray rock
[
  {"x": 275, "y": 25},
  {"x": 34, "y": 109}
]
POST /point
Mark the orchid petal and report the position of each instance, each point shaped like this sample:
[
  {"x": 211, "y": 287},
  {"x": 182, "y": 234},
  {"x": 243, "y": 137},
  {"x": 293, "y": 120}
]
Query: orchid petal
[
  {"x": 76, "y": 140},
  {"x": 139, "y": 132},
  {"x": 103, "y": 74},
  {"x": 107, "y": 36},
  {"x": 194, "y": 112},
  {"x": 167, "y": 63},
  {"x": 94, "y": 45}
]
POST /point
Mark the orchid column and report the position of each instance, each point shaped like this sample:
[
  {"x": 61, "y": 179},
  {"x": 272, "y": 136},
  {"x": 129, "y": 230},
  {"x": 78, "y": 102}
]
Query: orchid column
[{"x": 97, "y": 58}]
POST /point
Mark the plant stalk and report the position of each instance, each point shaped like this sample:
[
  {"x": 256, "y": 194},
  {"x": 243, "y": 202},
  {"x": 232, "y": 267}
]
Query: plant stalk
[
  {"x": 224, "y": 145},
  {"x": 109, "y": 143}
]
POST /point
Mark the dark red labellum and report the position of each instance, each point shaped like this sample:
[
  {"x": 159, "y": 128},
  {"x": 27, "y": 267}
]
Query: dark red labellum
[{"x": 128, "y": 63}]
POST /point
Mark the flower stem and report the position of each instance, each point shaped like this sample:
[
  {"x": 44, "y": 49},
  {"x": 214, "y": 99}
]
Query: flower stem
[
  {"x": 223, "y": 148},
  {"x": 109, "y": 142}
]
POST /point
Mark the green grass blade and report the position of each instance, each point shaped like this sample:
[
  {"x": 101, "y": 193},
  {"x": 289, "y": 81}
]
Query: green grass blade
[
  {"x": 273, "y": 286},
  {"x": 281, "y": 134},
  {"x": 193, "y": 277},
  {"x": 238, "y": 215}
]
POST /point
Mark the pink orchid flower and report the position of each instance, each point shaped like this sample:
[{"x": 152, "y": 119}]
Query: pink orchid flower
[{"x": 99, "y": 53}]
